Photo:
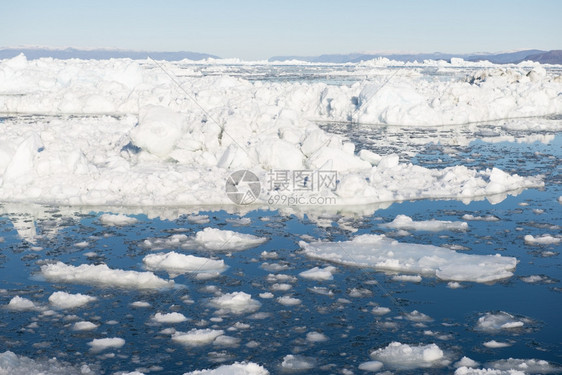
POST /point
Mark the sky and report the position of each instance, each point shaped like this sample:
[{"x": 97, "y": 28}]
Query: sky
[{"x": 259, "y": 29}]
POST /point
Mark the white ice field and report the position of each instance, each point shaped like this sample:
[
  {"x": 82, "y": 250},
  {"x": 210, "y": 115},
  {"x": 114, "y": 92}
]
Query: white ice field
[{"x": 151, "y": 144}]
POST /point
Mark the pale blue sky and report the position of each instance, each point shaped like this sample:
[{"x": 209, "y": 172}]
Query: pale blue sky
[{"x": 253, "y": 29}]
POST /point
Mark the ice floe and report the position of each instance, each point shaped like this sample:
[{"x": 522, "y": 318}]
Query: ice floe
[
  {"x": 117, "y": 220},
  {"x": 197, "y": 337},
  {"x": 173, "y": 317},
  {"x": 235, "y": 303},
  {"x": 12, "y": 364},
  {"x": 545, "y": 239},
  {"x": 297, "y": 363},
  {"x": 319, "y": 274},
  {"x": 84, "y": 326},
  {"x": 63, "y": 300},
  {"x": 175, "y": 263},
  {"x": 102, "y": 275},
  {"x": 493, "y": 344},
  {"x": 289, "y": 301},
  {"x": 98, "y": 345},
  {"x": 528, "y": 366},
  {"x": 211, "y": 239},
  {"x": 403, "y": 356},
  {"x": 383, "y": 253},
  {"x": 470, "y": 217},
  {"x": 237, "y": 368},
  {"x": 407, "y": 223},
  {"x": 495, "y": 322},
  {"x": 225, "y": 240},
  {"x": 18, "y": 303}
]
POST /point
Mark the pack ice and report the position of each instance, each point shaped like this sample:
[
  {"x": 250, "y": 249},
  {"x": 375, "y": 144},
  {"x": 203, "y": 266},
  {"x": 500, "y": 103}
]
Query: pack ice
[
  {"x": 382, "y": 253},
  {"x": 160, "y": 148}
]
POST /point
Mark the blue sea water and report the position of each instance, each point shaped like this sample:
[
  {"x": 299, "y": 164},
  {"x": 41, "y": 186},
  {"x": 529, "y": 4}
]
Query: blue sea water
[{"x": 344, "y": 316}]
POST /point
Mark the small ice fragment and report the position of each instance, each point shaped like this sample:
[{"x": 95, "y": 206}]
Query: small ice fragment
[
  {"x": 173, "y": 317},
  {"x": 117, "y": 220},
  {"x": 63, "y": 300},
  {"x": 495, "y": 344},
  {"x": 97, "y": 345}
]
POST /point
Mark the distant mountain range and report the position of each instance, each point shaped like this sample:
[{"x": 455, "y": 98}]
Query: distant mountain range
[
  {"x": 100, "y": 54},
  {"x": 544, "y": 57}
]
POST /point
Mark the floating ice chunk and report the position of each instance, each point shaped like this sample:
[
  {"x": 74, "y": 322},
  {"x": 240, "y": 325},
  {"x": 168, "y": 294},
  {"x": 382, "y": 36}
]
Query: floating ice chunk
[
  {"x": 225, "y": 240},
  {"x": 283, "y": 287},
  {"x": 235, "y": 303},
  {"x": 63, "y": 300},
  {"x": 359, "y": 292},
  {"x": 103, "y": 275},
  {"x": 545, "y": 239},
  {"x": 173, "y": 241},
  {"x": 198, "y": 219},
  {"x": 470, "y": 217},
  {"x": 175, "y": 263},
  {"x": 465, "y": 362},
  {"x": 406, "y": 223},
  {"x": 416, "y": 316},
  {"x": 473, "y": 371},
  {"x": 197, "y": 337},
  {"x": 275, "y": 267},
  {"x": 316, "y": 337},
  {"x": 495, "y": 322},
  {"x": 454, "y": 285},
  {"x": 382, "y": 253},
  {"x": 528, "y": 366},
  {"x": 84, "y": 326},
  {"x": 297, "y": 363},
  {"x": 403, "y": 356},
  {"x": 237, "y": 368},
  {"x": 319, "y": 274},
  {"x": 117, "y": 220},
  {"x": 410, "y": 278},
  {"x": 240, "y": 221},
  {"x": 378, "y": 310},
  {"x": 12, "y": 364},
  {"x": 18, "y": 303},
  {"x": 321, "y": 290},
  {"x": 226, "y": 341},
  {"x": 493, "y": 344},
  {"x": 173, "y": 317},
  {"x": 372, "y": 366},
  {"x": 537, "y": 279},
  {"x": 82, "y": 244},
  {"x": 97, "y": 345},
  {"x": 289, "y": 301},
  {"x": 269, "y": 255}
]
